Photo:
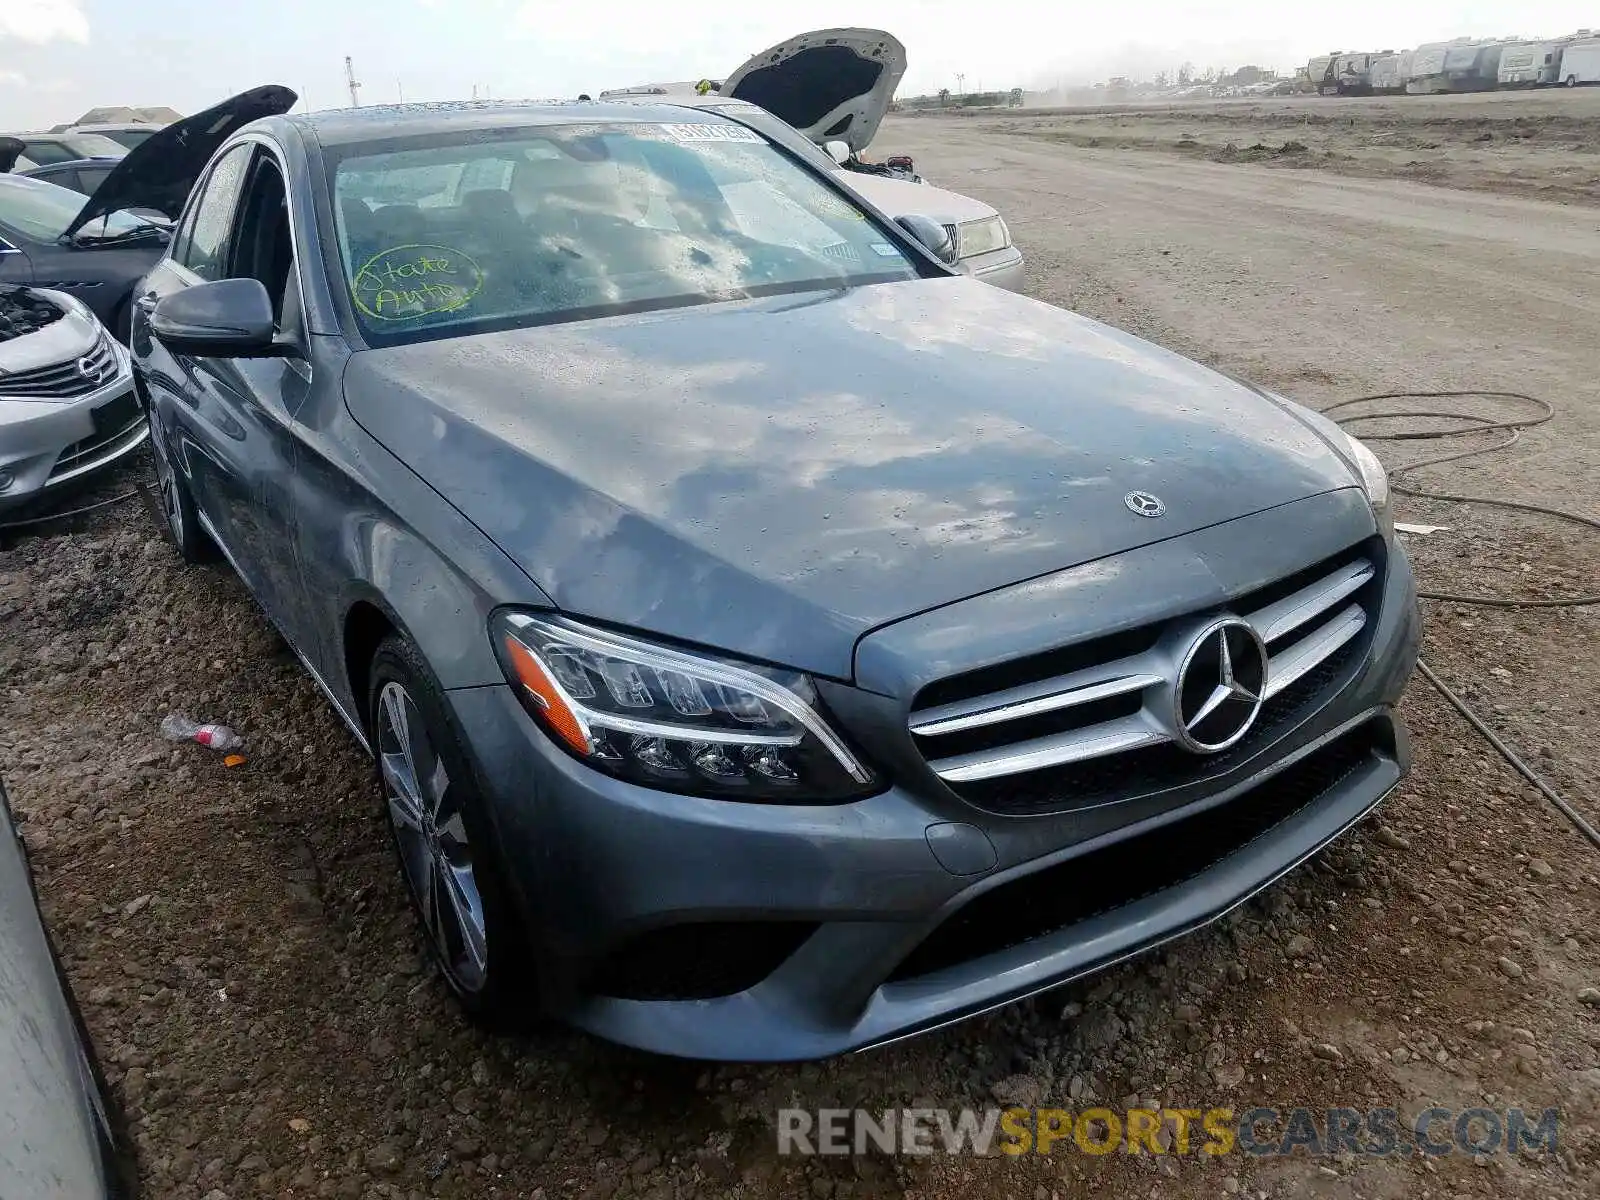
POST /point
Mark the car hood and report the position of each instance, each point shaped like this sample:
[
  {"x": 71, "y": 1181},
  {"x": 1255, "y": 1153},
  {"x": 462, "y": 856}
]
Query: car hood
[
  {"x": 833, "y": 84},
  {"x": 901, "y": 197},
  {"x": 63, "y": 339},
  {"x": 777, "y": 477},
  {"x": 160, "y": 171}
]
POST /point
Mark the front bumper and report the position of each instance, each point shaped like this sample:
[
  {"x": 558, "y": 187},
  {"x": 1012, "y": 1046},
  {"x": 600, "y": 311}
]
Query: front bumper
[
  {"x": 865, "y": 901},
  {"x": 46, "y": 445},
  {"x": 1003, "y": 268}
]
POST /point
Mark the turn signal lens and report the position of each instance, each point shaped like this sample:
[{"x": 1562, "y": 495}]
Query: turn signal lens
[
  {"x": 546, "y": 693},
  {"x": 681, "y": 722}
]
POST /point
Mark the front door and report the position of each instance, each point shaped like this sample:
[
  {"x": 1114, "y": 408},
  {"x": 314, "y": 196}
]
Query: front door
[{"x": 230, "y": 422}]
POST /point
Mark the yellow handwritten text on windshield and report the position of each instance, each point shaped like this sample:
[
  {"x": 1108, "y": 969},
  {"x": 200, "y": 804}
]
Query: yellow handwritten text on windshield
[{"x": 404, "y": 283}]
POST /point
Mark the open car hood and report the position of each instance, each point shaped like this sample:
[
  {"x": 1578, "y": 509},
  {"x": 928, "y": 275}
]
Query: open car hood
[
  {"x": 10, "y": 148},
  {"x": 831, "y": 85},
  {"x": 160, "y": 172}
]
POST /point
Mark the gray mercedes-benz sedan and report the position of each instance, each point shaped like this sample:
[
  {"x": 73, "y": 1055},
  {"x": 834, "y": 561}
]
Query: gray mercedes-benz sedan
[{"x": 771, "y": 642}]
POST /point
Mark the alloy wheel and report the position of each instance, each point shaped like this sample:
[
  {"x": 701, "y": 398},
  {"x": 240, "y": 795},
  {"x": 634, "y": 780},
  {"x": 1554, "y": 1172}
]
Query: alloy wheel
[
  {"x": 435, "y": 851},
  {"x": 167, "y": 482}
]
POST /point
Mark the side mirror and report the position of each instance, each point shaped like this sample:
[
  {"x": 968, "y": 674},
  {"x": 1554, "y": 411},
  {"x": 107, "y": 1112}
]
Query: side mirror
[
  {"x": 838, "y": 151},
  {"x": 228, "y": 318},
  {"x": 933, "y": 237}
]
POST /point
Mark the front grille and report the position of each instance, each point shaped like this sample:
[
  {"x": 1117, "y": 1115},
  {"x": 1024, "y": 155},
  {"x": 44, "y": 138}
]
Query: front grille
[
  {"x": 1079, "y": 889},
  {"x": 112, "y": 422},
  {"x": 698, "y": 961},
  {"x": 1090, "y": 723},
  {"x": 76, "y": 377}
]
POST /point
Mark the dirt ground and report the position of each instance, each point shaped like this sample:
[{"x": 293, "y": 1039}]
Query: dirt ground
[
  {"x": 1543, "y": 142},
  {"x": 250, "y": 972}
]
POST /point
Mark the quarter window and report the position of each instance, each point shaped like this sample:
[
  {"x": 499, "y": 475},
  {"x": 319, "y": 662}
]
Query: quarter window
[{"x": 204, "y": 249}]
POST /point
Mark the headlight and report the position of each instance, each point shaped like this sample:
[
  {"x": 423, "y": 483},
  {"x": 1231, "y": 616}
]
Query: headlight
[
  {"x": 982, "y": 237},
  {"x": 677, "y": 721},
  {"x": 1374, "y": 479}
]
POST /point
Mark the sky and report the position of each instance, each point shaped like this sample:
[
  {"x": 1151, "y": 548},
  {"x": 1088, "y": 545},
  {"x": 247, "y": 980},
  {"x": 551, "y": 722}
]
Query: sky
[{"x": 61, "y": 57}]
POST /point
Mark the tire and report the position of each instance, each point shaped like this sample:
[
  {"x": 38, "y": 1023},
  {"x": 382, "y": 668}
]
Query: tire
[
  {"x": 177, "y": 505},
  {"x": 1572, "y": 81},
  {"x": 444, "y": 841}
]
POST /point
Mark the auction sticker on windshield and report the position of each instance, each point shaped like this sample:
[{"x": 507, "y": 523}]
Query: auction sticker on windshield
[
  {"x": 710, "y": 133},
  {"x": 404, "y": 283}
]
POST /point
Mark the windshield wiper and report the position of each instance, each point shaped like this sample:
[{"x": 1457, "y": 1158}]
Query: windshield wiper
[{"x": 140, "y": 232}]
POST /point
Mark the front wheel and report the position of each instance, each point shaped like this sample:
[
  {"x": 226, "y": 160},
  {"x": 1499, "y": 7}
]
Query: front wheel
[
  {"x": 442, "y": 837},
  {"x": 177, "y": 505}
]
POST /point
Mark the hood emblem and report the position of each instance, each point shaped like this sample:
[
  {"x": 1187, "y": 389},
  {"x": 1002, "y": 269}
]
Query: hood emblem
[
  {"x": 1145, "y": 504},
  {"x": 1221, "y": 682},
  {"x": 93, "y": 369}
]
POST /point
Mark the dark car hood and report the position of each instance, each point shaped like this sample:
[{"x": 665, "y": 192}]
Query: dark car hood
[
  {"x": 778, "y": 477},
  {"x": 160, "y": 171},
  {"x": 829, "y": 84}
]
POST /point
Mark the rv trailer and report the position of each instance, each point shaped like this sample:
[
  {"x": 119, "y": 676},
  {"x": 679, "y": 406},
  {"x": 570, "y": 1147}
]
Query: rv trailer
[
  {"x": 1352, "y": 74},
  {"x": 1388, "y": 74},
  {"x": 1473, "y": 68},
  {"x": 1427, "y": 68},
  {"x": 1580, "y": 62},
  {"x": 1530, "y": 64}
]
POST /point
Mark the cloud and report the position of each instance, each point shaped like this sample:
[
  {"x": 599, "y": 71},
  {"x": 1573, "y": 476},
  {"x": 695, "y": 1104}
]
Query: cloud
[
  {"x": 12, "y": 78},
  {"x": 43, "y": 21}
]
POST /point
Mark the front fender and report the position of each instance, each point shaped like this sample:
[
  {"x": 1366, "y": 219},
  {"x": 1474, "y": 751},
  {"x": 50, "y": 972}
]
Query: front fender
[{"x": 372, "y": 533}]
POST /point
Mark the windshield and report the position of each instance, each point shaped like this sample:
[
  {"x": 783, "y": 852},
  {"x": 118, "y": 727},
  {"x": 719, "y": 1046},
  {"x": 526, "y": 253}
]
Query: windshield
[
  {"x": 96, "y": 145},
  {"x": 127, "y": 139},
  {"x": 786, "y": 135},
  {"x": 43, "y": 211},
  {"x": 475, "y": 230}
]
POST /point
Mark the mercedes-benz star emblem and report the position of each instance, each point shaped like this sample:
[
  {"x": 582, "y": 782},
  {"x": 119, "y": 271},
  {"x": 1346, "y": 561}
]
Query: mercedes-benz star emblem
[
  {"x": 1146, "y": 504},
  {"x": 1220, "y": 686}
]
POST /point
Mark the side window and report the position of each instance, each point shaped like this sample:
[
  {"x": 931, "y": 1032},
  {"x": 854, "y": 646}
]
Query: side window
[
  {"x": 204, "y": 249},
  {"x": 91, "y": 178},
  {"x": 263, "y": 248},
  {"x": 45, "y": 153}
]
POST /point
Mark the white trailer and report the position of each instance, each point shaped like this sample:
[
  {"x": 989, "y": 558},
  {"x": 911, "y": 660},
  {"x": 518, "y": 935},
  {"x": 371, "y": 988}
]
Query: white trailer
[
  {"x": 1580, "y": 62},
  {"x": 1530, "y": 64},
  {"x": 1427, "y": 68},
  {"x": 1473, "y": 68},
  {"x": 1388, "y": 72}
]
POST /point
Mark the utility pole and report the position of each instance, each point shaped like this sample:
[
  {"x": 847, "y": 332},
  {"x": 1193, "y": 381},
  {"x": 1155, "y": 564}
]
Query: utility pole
[
  {"x": 961, "y": 83},
  {"x": 350, "y": 78}
]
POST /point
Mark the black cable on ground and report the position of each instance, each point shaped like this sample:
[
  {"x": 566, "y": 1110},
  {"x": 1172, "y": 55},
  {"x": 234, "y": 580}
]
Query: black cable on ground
[
  {"x": 69, "y": 513},
  {"x": 1477, "y": 424},
  {"x": 1510, "y": 755}
]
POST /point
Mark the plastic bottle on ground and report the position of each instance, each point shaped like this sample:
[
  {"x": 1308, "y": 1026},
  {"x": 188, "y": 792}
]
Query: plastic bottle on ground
[{"x": 176, "y": 727}]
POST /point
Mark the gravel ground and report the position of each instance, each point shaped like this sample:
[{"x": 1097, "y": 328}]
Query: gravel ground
[
  {"x": 1543, "y": 143},
  {"x": 248, "y": 966}
]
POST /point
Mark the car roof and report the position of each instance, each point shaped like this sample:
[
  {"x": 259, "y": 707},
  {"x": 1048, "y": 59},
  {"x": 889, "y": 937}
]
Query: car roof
[{"x": 351, "y": 126}]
